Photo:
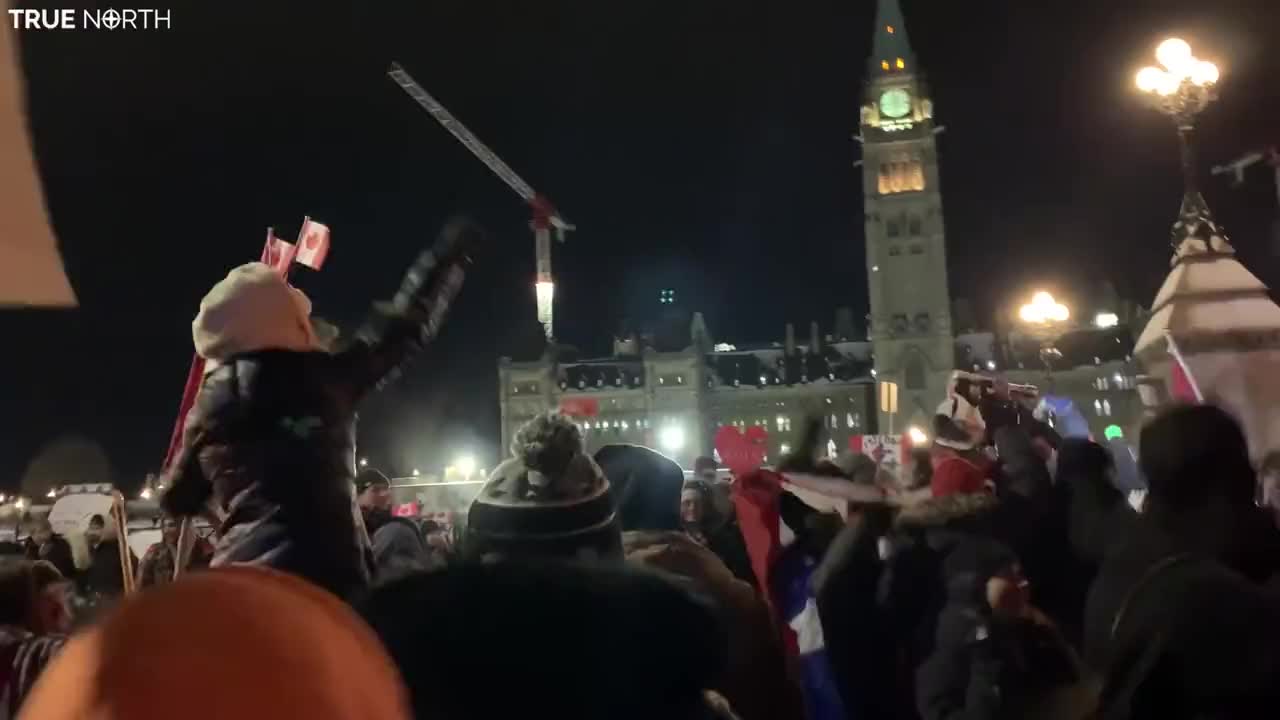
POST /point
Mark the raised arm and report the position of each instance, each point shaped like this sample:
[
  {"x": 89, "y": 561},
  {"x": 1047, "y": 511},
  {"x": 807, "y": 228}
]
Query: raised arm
[{"x": 399, "y": 329}]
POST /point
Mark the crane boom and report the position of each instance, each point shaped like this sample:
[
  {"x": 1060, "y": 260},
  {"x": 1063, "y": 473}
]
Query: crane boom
[{"x": 479, "y": 149}]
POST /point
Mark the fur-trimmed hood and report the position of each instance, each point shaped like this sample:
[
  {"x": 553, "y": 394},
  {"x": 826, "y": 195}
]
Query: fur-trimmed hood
[{"x": 960, "y": 511}]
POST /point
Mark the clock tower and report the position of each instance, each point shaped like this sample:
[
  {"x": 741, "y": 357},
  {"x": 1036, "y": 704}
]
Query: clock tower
[{"x": 906, "y": 242}]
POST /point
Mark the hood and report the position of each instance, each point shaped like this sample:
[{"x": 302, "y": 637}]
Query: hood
[
  {"x": 252, "y": 309},
  {"x": 960, "y": 511},
  {"x": 646, "y": 486}
]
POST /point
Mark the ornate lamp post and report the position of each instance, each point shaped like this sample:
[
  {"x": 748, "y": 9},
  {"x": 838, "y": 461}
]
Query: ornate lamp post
[
  {"x": 1181, "y": 89},
  {"x": 1045, "y": 319}
]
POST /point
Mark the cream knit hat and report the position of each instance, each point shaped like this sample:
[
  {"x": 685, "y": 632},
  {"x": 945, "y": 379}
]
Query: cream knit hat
[{"x": 253, "y": 308}]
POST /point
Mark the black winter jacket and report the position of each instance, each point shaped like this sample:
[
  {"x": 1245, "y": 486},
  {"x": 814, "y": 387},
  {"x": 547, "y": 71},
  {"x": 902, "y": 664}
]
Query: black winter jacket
[{"x": 269, "y": 446}]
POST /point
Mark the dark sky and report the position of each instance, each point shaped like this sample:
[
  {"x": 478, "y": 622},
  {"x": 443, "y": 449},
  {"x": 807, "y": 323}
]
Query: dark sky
[{"x": 701, "y": 145}]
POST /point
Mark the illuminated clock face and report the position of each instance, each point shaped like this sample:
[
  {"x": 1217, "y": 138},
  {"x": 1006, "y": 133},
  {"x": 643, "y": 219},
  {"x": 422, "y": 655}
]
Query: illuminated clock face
[{"x": 895, "y": 103}]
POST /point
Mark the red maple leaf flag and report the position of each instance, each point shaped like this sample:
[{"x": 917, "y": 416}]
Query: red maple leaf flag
[
  {"x": 313, "y": 244},
  {"x": 1182, "y": 384},
  {"x": 280, "y": 254}
]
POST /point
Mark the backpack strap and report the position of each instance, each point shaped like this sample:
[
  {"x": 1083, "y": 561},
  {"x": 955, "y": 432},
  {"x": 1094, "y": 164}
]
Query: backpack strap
[{"x": 1159, "y": 568}]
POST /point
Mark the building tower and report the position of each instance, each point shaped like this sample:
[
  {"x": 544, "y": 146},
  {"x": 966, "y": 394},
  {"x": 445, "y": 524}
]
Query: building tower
[{"x": 906, "y": 242}]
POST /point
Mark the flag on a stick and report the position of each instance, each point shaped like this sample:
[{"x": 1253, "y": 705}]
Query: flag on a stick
[
  {"x": 279, "y": 254},
  {"x": 276, "y": 254},
  {"x": 313, "y": 244},
  {"x": 1182, "y": 384}
]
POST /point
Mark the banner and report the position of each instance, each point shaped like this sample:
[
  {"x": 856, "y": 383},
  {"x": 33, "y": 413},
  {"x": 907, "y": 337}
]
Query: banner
[
  {"x": 891, "y": 452},
  {"x": 31, "y": 272},
  {"x": 580, "y": 407}
]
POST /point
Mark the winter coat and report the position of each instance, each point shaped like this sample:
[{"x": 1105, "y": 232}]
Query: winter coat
[
  {"x": 270, "y": 442},
  {"x": 1241, "y": 539},
  {"x": 1087, "y": 514},
  {"x": 571, "y": 641},
  {"x": 956, "y": 472},
  {"x": 104, "y": 576},
  {"x": 756, "y": 681},
  {"x": 57, "y": 551},
  {"x": 1192, "y": 639},
  {"x": 23, "y": 657},
  {"x": 913, "y": 589},
  {"x": 983, "y": 667},
  {"x": 861, "y": 645},
  {"x": 398, "y": 548},
  {"x": 158, "y": 562}
]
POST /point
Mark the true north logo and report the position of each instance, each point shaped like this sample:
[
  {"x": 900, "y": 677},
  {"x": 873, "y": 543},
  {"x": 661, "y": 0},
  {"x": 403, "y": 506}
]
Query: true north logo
[{"x": 109, "y": 19}]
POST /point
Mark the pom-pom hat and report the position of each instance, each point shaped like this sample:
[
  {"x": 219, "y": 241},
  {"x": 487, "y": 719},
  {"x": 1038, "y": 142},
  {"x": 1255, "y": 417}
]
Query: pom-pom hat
[{"x": 549, "y": 500}]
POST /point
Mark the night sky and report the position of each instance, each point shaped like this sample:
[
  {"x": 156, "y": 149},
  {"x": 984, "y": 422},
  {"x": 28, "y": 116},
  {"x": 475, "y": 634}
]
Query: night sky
[{"x": 702, "y": 146}]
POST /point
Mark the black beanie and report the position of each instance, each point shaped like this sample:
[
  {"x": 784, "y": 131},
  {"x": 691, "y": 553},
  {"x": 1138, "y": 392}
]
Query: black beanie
[{"x": 369, "y": 477}]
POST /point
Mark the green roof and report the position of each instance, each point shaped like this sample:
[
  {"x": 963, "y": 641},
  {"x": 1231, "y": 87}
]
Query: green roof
[{"x": 891, "y": 50}]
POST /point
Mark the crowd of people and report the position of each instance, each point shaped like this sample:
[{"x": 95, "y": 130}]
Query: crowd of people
[{"x": 1004, "y": 573}]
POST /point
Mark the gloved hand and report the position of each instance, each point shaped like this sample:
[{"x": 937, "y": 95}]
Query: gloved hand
[{"x": 438, "y": 271}]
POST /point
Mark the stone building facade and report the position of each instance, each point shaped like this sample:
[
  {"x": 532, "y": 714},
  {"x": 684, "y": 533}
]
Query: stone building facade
[{"x": 675, "y": 401}]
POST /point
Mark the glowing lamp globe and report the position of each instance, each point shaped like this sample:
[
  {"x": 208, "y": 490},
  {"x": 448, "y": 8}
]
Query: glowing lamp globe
[
  {"x": 1149, "y": 78},
  {"x": 1175, "y": 55},
  {"x": 1205, "y": 73}
]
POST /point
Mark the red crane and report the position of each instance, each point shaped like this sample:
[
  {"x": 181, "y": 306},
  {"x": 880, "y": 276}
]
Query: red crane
[{"x": 545, "y": 216}]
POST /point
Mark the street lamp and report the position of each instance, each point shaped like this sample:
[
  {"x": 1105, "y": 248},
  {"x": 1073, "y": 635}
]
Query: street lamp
[
  {"x": 1044, "y": 310},
  {"x": 1045, "y": 319},
  {"x": 917, "y": 436},
  {"x": 1106, "y": 320},
  {"x": 465, "y": 465},
  {"x": 671, "y": 438},
  {"x": 1182, "y": 89}
]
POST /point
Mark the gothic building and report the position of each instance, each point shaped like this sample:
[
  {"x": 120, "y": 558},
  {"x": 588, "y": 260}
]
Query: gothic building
[{"x": 676, "y": 401}]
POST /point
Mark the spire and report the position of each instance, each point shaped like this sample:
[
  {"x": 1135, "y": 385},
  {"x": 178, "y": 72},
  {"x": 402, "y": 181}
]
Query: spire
[{"x": 891, "y": 51}]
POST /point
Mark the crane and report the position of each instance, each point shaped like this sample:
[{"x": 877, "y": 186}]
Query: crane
[
  {"x": 545, "y": 216},
  {"x": 1271, "y": 156}
]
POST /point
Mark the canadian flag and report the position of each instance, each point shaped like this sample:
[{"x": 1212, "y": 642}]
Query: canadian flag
[
  {"x": 313, "y": 244},
  {"x": 279, "y": 254}
]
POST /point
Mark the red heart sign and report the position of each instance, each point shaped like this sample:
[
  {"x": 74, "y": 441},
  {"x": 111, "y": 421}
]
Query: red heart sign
[{"x": 742, "y": 453}]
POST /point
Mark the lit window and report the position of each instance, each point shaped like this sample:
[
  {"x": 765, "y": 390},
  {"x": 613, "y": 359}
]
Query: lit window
[
  {"x": 884, "y": 64},
  {"x": 902, "y": 64},
  {"x": 835, "y": 422},
  {"x": 1097, "y": 406},
  {"x": 889, "y": 29},
  {"x": 785, "y": 448},
  {"x": 848, "y": 419},
  {"x": 1106, "y": 408},
  {"x": 679, "y": 379},
  {"x": 831, "y": 448}
]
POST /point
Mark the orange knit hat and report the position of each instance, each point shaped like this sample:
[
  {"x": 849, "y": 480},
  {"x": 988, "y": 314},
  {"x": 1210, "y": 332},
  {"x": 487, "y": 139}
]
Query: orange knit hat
[{"x": 230, "y": 643}]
